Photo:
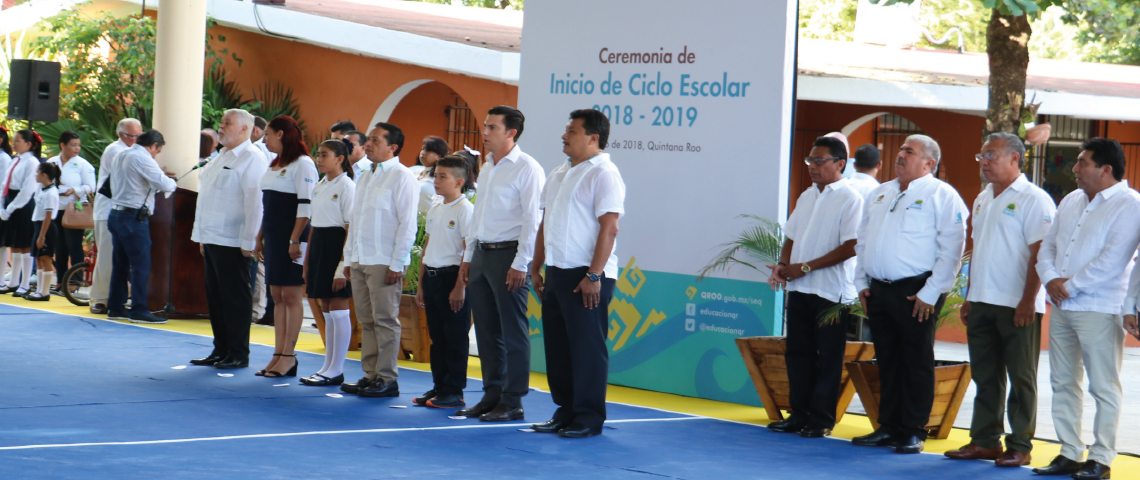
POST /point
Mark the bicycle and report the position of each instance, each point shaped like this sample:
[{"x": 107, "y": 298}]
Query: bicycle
[{"x": 78, "y": 279}]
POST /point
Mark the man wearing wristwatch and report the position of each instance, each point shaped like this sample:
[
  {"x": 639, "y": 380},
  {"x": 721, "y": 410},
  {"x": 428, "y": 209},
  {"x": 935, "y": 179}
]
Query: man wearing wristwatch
[
  {"x": 582, "y": 201},
  {"x": 817, "y": 266}
]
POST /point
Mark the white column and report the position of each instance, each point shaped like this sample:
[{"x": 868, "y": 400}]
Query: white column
[{"x": 179, "y": 70}]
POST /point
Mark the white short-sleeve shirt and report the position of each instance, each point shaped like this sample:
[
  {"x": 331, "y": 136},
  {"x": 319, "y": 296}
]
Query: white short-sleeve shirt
[
  {"x": 297, "y": 178},
  {"x": 447, "y": 225},
  {"x": 77, "y": 174},
  {"x": 1004, "y": 228},
  {"x": 332, "y": 201},
  {"x": 821, "y": 222},
  {"x": 574, "y": 198},
  {"x": 47, "y": 200}
]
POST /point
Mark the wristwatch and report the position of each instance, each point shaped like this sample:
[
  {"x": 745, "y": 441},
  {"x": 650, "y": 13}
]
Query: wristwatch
[
  {"x": 593, "y": 276},
  {"x": 291, "y": 242},
  {"x": 805, "y": 268}
]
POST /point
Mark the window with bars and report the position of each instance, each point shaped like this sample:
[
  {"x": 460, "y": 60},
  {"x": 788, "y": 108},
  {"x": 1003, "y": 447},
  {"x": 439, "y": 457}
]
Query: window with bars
[{"x": 462, "y": 127}]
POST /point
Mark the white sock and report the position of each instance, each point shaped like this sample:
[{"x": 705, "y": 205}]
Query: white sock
[
  {"x": 342, "y": 336},
  {"x": 29, "y": 267},
  {"x": 3, "y": 262},
  {"x": 330, "y": 334},
  {"x": 17, "y": 270},
  {"x": 44, "y": 281}
]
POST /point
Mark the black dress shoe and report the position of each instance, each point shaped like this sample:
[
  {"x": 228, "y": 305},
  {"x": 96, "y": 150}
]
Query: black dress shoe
[
  {"x": 787, "y": 425},
  {"x": 815, "y": 432},
  {"x": 318, "y": 380},
  {"x": 379, "y": 389},
  {"x": 1093, "y": 470},
  {"x": 229, "y": 363},
  {"x": 909, "y": 444},
  {"x": 1061, "y": 465},
  {"x": 551, "y": 426},
  {"x": 355, "y": 387},
  {"x": 577, "y": 430},
  {"x": 423, "y": 399},
  {"x": 477, "y": 410},
  {"x": 6, "y": 289},
  {"x": 208, "y": 361},
  {"x": 878, "y": 438},
  {"x": 502, "y": 413}
]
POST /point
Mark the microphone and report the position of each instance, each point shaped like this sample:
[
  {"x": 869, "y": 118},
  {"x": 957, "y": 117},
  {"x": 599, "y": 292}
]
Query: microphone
[{"x": 201, "y": 163}]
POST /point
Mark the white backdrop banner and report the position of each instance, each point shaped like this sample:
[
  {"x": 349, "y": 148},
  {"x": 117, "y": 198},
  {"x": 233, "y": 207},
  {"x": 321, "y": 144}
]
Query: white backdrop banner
[{"x": 699, "y": 96}]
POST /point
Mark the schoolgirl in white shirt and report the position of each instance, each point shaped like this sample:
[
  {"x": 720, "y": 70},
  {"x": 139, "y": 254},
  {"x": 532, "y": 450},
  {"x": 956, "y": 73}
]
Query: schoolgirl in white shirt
[
  {"x": 19, "y": 185},
  {"x": 324, "y": 264},
  {"x": 433, "y": 149},
  {"x": 43, "y": 227}
]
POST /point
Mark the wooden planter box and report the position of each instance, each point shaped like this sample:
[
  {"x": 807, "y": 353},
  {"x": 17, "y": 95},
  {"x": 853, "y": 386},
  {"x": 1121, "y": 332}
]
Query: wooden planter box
[
  {"x": 764, "y": 357},
  {"x": 950, "y": 382},
  {"x": 415, "y": 343}
]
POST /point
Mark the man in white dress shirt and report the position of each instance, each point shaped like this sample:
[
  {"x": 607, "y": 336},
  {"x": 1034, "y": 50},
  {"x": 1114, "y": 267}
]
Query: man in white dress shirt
[
  {"x": 1084, "y": 262},
  {"x": 359, "y": 156},
  {"x": 1005, "y": 304},
  {"x": 226, "y": 223},
  {"x": 376, "y": 252},
  {"x": 582, "y": 202},
  {"x": 128, "y": 130},
  {"x": 866, "y": 168},
  {"x": 910, "y": 248},
  {"x": 499, "y": 252},
  {"x": 134, "y": 181},
  {"x": 816, "y": 267}
]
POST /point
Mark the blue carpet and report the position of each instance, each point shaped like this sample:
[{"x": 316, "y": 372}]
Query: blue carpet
[{"x": 83, "y": 381}]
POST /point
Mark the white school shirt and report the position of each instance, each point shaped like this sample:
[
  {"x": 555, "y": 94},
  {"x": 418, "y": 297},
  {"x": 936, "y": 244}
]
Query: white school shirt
[
  {"x": 427, "y": 194},
  {"x": 78, "y": 174},
  {"x": 447, "y": 225},
  {"x": 508, "y": 205},
  {"x": 260, "y": 144},
  {"x": 863, "y": 183},
  {"x": 22, "y": 177},
  {"x": 1092, "y": 245},
  {"x": 361, "y": 166},
  {"x": 137, "y": 178},
  {"x": 384, "y": 220},
  {"x": 925, "y": 233},
  {"x": 572, "y": 201},
  {"x": 821, "y": 222},
  {"x": 297, "y": 178},
  {"x": 332, "y": 201},
  {"x": 5, "y": 164},
  {"x": 103, "y": 204},
  {"x": 47, "y": 200},
  {"x": 1004, "y": 228},
  {"x": 229, "y": 198}
]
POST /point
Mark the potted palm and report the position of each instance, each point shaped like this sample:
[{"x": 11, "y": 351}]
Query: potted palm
[
  {"x": 951, "y": 378},
  {"x": 759, "y": 245}
]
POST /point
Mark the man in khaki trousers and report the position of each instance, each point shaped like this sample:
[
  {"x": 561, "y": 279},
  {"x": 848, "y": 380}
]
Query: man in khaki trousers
[
  {"x": 376, "y": 252},
  {"x": 1084, "y": 262}
]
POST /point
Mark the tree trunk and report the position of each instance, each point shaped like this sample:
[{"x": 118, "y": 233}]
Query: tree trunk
[{"x": 1007, "y": 43}]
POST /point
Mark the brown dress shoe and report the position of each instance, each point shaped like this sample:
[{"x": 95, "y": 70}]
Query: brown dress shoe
[
  {"x": 975, "y": 452},
  {"x": 1013, "y": 458}
]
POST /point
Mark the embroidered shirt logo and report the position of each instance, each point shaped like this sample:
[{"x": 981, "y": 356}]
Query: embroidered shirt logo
[
  {"x": 880, "y": 199},
  {"x": 917, "y": 205},
  {"x": 1010, "y": 210},
  {"x": 335, "y": 196},
  {"x": 282, "y": 174},
  {"x": 451, "y": 224}
]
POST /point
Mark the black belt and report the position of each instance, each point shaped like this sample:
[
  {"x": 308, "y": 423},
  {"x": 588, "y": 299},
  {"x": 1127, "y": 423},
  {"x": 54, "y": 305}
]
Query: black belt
[
  {"x": 917, "y": 278},
  {"x": 125, "y": 209},
  {"x": 498, "y": 245},
  {"x": 431, "y": 272}
]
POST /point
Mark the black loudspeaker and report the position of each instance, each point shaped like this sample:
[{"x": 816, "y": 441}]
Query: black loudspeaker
[{"x": 33, "y": 92}]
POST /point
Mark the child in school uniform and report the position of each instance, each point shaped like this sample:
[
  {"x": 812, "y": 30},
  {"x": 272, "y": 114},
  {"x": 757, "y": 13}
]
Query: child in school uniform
[
  {"x": 442, "y": 294},
  {"x": 43, "y": 245},
  {"x": 324, "y": 265}
]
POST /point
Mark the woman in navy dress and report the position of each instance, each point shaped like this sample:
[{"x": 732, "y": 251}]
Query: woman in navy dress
[{"x": 288, "y": 190}]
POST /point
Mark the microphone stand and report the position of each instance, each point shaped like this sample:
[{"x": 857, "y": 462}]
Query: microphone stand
[{"x": 169, "y": 308}]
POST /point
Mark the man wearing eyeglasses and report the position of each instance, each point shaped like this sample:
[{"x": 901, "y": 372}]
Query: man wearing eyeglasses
[
  {"x": 816, "y": 267},
  {"x": 1005, "y": 304},
  {"x": 910, "y": 246},
  {"x": 128, "y": 130}
]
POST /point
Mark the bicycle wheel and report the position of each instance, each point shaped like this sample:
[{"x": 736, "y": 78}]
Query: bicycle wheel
[{"x": 78, "y": 290}]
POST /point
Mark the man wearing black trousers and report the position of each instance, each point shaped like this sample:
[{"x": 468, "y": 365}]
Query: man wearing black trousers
[
  {"x": 816, "y": 267},
  {"x": 910, "y": 247},
  {"x": 583, "y": 200},
  {"x": 225, "y": 227},
  {"x": 499, "y": 251}
]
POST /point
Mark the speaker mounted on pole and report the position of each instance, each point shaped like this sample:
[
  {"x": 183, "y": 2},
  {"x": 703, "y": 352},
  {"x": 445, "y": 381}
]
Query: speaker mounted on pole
[{"x": 33, "y": 91}]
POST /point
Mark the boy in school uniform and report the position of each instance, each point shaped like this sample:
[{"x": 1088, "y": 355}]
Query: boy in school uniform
[{"x": 442, "y": 294}]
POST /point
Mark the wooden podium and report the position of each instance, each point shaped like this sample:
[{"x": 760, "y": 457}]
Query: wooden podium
[{"x": 177, "y": 271}]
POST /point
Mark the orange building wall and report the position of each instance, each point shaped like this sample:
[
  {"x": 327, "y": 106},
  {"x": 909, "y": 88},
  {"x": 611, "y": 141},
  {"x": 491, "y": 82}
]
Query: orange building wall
[
  {"x": 1124, "y": 132},
  {"x": 332, "y": 85},
  {"x": 422, "y": 113}
]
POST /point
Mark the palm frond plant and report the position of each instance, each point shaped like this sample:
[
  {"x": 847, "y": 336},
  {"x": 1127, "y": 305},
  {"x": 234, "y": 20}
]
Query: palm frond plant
[
  {"x": 756, "y": 246},
  {"x": 947, "y": 316},
  {"x": 412, "y": 272},
  {"x": 277, "y": 99}
]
